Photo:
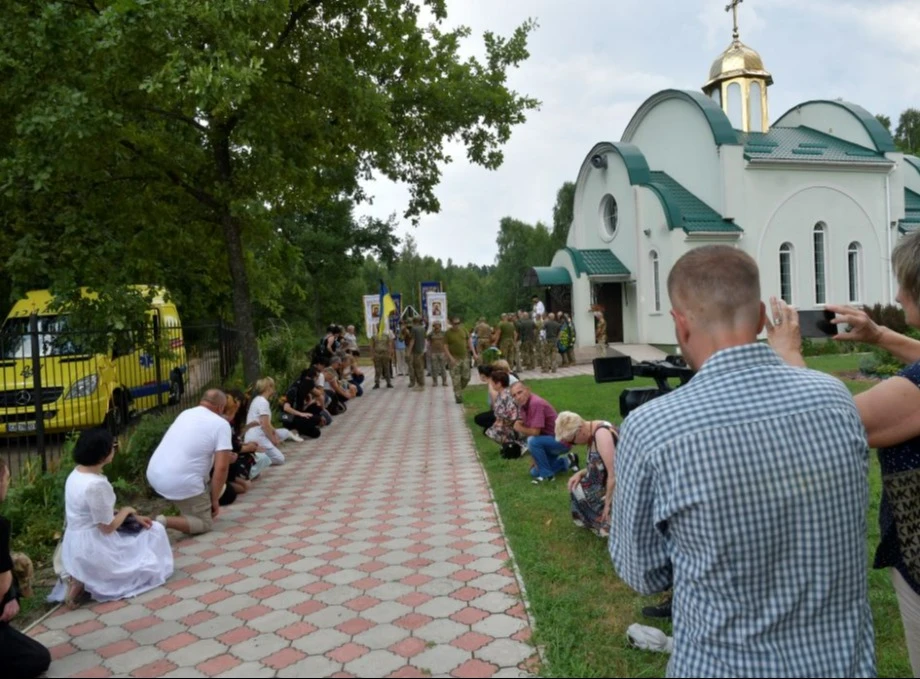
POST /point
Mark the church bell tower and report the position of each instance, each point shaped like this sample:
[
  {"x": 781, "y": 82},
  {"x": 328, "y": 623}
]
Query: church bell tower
[{"x": 738, "y": 82}]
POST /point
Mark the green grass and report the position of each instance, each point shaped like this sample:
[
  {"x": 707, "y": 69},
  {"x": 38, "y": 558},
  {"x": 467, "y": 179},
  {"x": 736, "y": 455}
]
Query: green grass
[{"x": 581, "y": 607}]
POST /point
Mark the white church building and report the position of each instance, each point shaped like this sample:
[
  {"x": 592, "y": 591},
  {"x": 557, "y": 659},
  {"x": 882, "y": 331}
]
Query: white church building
[{"x": 819, "y": 198}]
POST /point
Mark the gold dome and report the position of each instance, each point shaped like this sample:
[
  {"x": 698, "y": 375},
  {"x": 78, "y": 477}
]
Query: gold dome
[{"x": 737, "y": 61}]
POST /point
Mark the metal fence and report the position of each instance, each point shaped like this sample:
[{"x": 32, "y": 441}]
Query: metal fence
[{"x": 55, "y": 381}]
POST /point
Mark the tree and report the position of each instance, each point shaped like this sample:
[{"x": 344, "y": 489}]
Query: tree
[
  {"x": 907, "y": 135},
  {"x": 322, "y": 285},
  {"x": 884, "y": 120},
  {"x": 563, "y": 214},
  {"x": 520, "y": 246},
  {"x": 192, "y": 127}
]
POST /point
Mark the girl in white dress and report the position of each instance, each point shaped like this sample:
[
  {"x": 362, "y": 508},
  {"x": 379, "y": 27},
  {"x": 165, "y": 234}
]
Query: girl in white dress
[
  {"x": 99, "y": 559},
  {"x": 259, "y": 421}
]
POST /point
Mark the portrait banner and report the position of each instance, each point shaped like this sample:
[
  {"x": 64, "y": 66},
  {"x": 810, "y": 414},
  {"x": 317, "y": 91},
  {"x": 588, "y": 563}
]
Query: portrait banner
[
  {"x": 423, "y": 289},
  {"x": 436, "y": 303},
  {"x": 371, "y": 314}
]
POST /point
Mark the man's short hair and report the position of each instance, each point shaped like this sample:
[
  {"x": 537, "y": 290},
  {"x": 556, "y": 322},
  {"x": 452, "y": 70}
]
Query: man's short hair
[
  {"x": 215, "y": 397},
  {"x": 905, "y": 259},
  {"x": 716, "y": 285}
]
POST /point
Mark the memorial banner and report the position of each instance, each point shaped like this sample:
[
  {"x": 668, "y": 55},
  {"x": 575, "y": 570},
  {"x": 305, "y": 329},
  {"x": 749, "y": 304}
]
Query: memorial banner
[{"x": 436, "y": 303}]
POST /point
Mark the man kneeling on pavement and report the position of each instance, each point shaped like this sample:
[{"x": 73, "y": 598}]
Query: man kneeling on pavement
[{"x": 537, "y": 421}]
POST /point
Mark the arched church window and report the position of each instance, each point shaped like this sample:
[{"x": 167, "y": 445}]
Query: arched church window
[
  {"x": 854, "y": 257},
  {"x": 785, "y": 272},
  {"x": 609, "y": 216},
  {"x": 756, "y": 108},
  {"x": 656, "y": 280},
  {"x": 820, "y": 234},
  {"x": 735, "y": 105}
]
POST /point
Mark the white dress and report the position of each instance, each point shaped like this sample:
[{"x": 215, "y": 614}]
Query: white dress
[{"x": 113, "y": 566}]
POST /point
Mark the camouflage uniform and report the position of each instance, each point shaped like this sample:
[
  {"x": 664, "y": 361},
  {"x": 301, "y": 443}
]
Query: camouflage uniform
[
  {"x": 550, "y": 346},
  {"x": 484, "y": 333},
  {"x": 458, "y": 343},
  {"x": 383, "y": 353},
  {"x": 600, "y": 334},
  {"x": 528, "y": 344},
  {"x": 438, "y": 359}
]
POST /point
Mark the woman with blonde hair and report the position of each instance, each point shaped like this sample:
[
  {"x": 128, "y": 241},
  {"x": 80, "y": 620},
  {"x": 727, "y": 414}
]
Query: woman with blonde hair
[
  {"x": 259, "y": 419},
  {"x": 591, "y": 489}
]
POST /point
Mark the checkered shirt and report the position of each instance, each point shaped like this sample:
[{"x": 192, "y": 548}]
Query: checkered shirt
[{"x": 746, "y": 491}]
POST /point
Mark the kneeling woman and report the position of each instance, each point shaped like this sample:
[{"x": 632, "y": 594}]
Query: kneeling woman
[
  {"x": 110, "y": 554},
  {"x": 591, "y": 488},
  {"x": 300, "y": 410}
]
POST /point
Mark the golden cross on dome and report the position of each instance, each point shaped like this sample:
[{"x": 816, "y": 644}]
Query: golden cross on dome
[{"x": 733, "y": 8}]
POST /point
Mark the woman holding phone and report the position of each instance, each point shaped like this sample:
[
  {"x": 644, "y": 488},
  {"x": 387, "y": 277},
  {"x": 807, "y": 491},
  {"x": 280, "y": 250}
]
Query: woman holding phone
[{"x": 890, "y": 412}]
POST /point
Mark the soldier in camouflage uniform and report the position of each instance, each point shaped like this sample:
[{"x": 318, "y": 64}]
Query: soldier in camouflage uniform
[
  {"x": 600, "y": 333},
  {"x": 484, "y": 333},
  {"x": 438, "y": 356},
  {"x": 550, "y": 347},
  {"x": 505, "y": 337},
  {"x": 527, "y": 329},
  {"x": 384, "y": 353},
  {"x": 459, "y": 348}
]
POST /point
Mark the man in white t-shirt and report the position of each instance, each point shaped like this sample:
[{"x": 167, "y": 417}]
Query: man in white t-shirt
[
  {"x": 180, "y": 467},
  {"x": 538, "y": 306}
]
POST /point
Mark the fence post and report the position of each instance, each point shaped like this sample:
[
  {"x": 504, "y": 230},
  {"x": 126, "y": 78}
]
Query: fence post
[
  {"x": 221, "y": 349},
  {"x": 37, "y": 391},
  {"x": 157, "y": 363}
]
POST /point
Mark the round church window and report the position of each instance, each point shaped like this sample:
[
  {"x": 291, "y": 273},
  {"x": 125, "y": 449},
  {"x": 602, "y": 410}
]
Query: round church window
[{"x": 609, "y": 216}]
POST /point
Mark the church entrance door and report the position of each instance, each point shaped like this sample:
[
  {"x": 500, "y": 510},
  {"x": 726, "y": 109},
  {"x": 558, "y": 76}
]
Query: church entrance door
[{"x": 610, "y": 296}]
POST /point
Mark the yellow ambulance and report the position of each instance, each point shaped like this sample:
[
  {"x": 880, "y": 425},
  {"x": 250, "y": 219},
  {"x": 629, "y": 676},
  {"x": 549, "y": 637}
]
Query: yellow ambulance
[{"x": 85, "y": 387}]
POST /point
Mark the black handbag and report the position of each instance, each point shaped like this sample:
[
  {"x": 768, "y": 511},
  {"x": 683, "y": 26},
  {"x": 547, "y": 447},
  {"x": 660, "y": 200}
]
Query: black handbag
[{"x": 130, "y": 526}]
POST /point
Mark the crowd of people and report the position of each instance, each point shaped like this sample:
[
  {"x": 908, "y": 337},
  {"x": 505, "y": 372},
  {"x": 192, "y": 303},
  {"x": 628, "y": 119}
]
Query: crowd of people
[{"x": 743, "y": 493}]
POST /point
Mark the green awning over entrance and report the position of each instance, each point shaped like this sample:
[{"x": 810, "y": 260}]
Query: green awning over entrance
[
  {"x": 548, "y": 275},
  {"x": 597, "y": 263}
]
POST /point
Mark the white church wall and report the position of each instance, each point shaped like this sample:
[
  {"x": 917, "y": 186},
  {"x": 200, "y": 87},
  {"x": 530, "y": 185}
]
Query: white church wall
[
  {"x": 590, "y": 232},
  {"x": 676, "y": 138},
  {"x": 731, "y": 159},
  {"x": 655, "y": 326},
  {"x": 830, "y": 119},
  {"x": 785, "y": 206}
]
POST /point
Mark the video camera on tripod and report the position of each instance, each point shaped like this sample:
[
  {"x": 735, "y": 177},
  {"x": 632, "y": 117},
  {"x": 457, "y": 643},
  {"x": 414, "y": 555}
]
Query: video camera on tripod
[{"x": 622, "y": 369}]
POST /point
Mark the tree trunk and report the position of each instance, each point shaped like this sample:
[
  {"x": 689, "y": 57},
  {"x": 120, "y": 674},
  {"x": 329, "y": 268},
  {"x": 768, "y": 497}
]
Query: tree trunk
[{"x": 242, "y": 304}]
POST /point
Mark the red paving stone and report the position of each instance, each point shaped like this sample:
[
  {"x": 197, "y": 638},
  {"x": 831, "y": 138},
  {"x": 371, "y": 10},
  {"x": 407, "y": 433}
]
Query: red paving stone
[
  {"x": 218, "y": 665},
  {"x": 409, "y": 648},
  {"x": 475, "y": 668},
  {"x": 283, "y": 658},
  {"x": 142, "y": 623},
  {"x": 237, "y": 636},
  {"x": 154, "y": 669},
  {"x": 347, "y": 653},
  {"x": 298, "y": 630},
  {"x": 176, "y": 642},
  {"x": 117, "y": 648}
]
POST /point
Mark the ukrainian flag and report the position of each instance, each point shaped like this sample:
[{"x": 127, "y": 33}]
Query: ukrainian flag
[{"x": 387, "y": 307}]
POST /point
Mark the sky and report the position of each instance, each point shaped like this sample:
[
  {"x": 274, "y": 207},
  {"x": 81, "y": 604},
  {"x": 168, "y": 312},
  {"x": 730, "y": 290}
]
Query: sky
[{"x": 592, "y": 64}]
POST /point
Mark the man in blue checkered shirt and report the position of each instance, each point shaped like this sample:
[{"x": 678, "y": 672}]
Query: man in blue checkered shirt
[{"x": 746, "y": 491}]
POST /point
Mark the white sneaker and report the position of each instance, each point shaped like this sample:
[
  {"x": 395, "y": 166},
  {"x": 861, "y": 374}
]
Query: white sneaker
[{"x": 295, "y": 437}]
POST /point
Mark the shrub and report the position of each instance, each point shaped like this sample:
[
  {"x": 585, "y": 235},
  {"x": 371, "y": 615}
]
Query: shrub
[
  {"x": 889, "y": 315},
  {"x": 128, "y": 471}
]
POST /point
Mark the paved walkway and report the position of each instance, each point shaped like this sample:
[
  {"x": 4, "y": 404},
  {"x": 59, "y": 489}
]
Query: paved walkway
[{"x": 374, "y": 552}]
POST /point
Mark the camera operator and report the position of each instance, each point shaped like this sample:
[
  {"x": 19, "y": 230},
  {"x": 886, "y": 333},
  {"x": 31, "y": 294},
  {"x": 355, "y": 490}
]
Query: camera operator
[{"x": 746, "y": 490}]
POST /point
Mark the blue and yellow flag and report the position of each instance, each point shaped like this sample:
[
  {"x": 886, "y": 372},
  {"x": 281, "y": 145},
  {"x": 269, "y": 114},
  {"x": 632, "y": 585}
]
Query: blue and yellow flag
[{"x": 387, "y": 307}]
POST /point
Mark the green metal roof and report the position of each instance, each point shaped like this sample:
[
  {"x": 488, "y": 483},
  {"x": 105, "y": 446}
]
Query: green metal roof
[
  {"x": 911, "y": 221},
  {"x": 548, "y": 275},
  {"x": 880, "y": 137},
  {"x": 684, "y": 210},
  {"x": 597, "y": 263},
  {"x": 804, "y": 144},
  {"x": 914, "y": 162},
  {"x": 721, "y": 127}
]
